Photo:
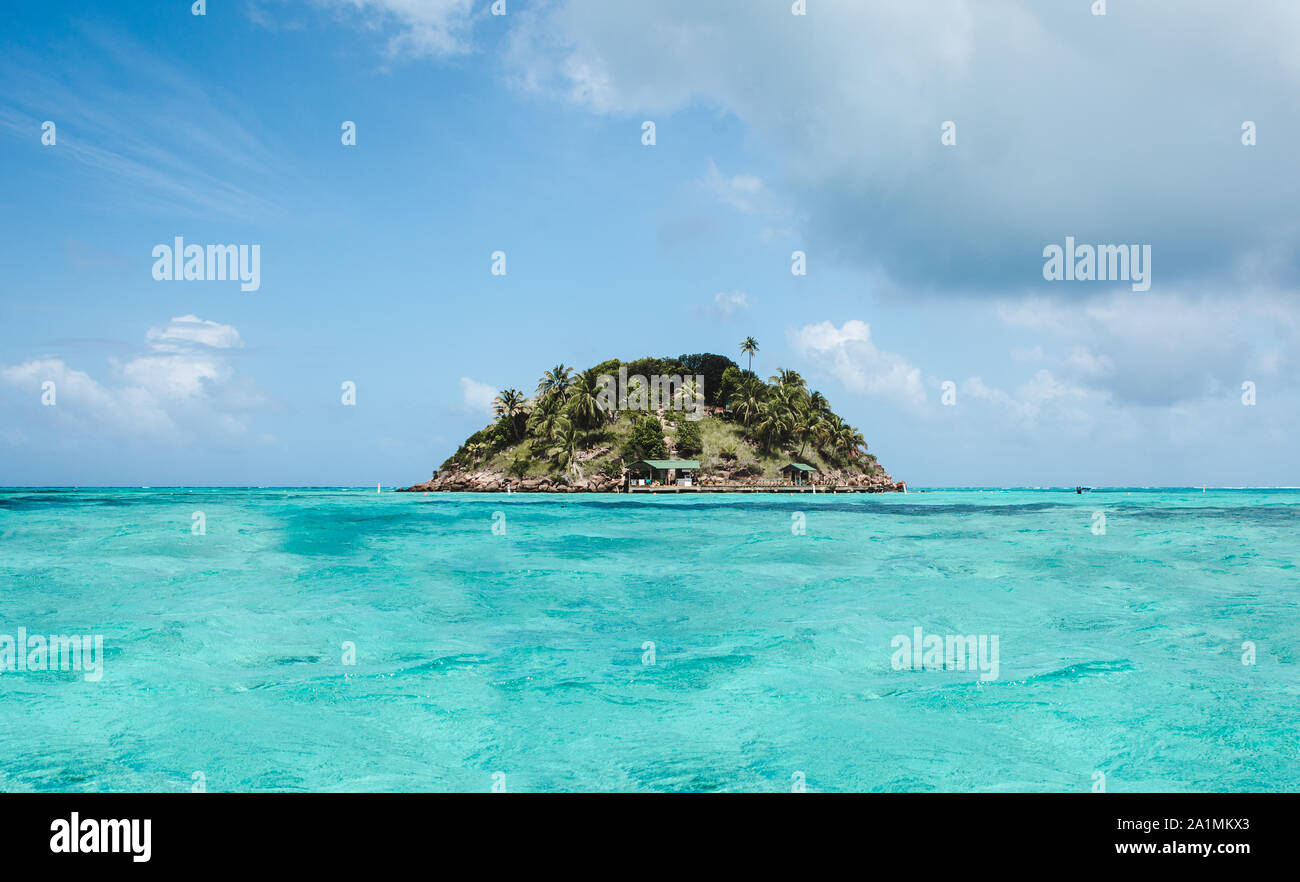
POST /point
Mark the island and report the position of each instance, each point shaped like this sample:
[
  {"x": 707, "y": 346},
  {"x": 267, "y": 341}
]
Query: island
[{"x": 690, "y": 424}]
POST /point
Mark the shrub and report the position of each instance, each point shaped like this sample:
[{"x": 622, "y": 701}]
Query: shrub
[
  {"x": 688, "y": 438},
  {"x": 728, "y": 383},
  {"x": 646, "y": 440}
]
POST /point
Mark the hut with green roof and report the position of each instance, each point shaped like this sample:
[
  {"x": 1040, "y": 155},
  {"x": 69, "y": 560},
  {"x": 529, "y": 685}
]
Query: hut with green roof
[
  {"x": 798, "y": 472},
  {"x": 666, "y": 471}
]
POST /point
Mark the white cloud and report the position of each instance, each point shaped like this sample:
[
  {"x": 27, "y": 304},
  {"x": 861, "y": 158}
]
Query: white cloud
[
  {"x": 82, "y": 402},
  {"x": 745, "y": 193},
  {"x": 727, "y": 304},
  {"x": 1164, "y": 349},
  {"x": 184, "y": 386},
  {"x": 180, "y": 376},
  {"x": 1043, "y": 399},
  {"x": 849, "y": 355},
  {"x": 190, "y": 329},
  {"x": 184, "y": 361},
  {"x": 849, "y": 99},
  {"x": 1089, "y": 364},
  {"x": 478, "y": 396},
  {"x": 416, "y": 28}
]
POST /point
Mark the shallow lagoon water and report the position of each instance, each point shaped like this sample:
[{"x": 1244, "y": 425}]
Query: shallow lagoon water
[{"x": 524, "y": 653}]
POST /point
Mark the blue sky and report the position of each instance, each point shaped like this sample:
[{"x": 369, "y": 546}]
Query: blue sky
[{"x": 522, "y": 133}]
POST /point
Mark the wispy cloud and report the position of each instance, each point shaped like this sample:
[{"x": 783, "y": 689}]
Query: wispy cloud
[
  {"x": 168, "y": 145},
  {"x": 746, "y": 193},
  {"x": 725, "y": 306},
  {"x": 1042, "y": 401},
  {"x": 414, "y": 28}
]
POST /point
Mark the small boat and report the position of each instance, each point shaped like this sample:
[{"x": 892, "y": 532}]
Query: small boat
[{"x": 1082, "y": 489}]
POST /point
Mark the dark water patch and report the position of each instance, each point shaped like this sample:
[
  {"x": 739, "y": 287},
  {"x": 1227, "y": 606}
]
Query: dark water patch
[
  {"x": 42, "y": 774},
  {"x": 462, "y": 661},
  {"x": 342, "y": 531},
  {"x": 689, "y": 776},
  {"x": 774, "y": 502},
  {"x": 577, "y": 545},
  {"x": 633, "y": 657},
  {"x": 698, "y": 672},
  {"x": 276, "y": 781},
  {"x": 1080, "y": 671},
  {"x": 943, "y": 534},
  {"x": 1250, "y": 514},
  {"x": 45, "y": 504},
  {"x": 54, "y": 502}
]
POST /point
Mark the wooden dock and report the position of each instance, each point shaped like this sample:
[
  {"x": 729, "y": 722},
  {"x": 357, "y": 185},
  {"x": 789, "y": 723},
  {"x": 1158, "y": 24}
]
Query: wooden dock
[{"x": 748, "y": 488}]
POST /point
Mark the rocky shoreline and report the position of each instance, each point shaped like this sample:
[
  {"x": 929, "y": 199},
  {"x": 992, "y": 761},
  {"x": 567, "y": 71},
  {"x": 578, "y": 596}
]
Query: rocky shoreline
[{"x": 457, "y": 481}]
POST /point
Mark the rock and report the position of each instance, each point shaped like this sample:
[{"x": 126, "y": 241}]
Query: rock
[{"x": 487, "y": 481}]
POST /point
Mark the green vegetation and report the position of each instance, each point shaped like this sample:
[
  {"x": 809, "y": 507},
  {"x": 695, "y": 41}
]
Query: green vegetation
[
  {"x": 749, "y": 346},
  {"x": 646, "y": 440},
  {"x": 750, "y": 427},
  {"x": 689, "y": 444}
]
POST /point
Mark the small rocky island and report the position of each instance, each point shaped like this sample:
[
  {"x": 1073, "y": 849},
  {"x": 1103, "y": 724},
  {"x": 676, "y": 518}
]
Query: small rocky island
[{"x": 695, "y": 423}]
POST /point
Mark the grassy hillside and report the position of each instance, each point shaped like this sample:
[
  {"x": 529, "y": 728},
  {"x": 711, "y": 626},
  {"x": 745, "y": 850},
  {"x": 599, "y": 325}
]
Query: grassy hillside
[{"x": 751, "y": 428}]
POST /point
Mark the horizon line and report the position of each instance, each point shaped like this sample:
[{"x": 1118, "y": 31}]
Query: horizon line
[{"x": 394, "y": 487}]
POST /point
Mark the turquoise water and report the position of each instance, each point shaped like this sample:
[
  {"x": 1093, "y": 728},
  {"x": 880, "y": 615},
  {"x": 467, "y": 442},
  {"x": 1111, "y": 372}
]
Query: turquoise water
[{"x": 522, "y": 653}]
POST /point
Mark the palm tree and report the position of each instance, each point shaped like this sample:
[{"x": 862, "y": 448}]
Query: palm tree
[
  {"x": 857, "y": 443},
  {"x": 788, "y": 379},
  {"x": 807, "y": 424},
  {"x": 584, "y": 404},
  {"x": 826, "y": 432},
  {"x": 747, "y": 400},
  {"x": 749, "y": 346},
  {"x": 557, "y": 380},
  {"x": 564, "y": 450},
  {"x": 801, "y": 428},
  {"x": 848, "y": 443},
  {"x": 510, "y": 403},
  {"x": 541, "y": 422},
  {"x": 773, "y": 424},
  {"x": 688, "y": 394}
]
